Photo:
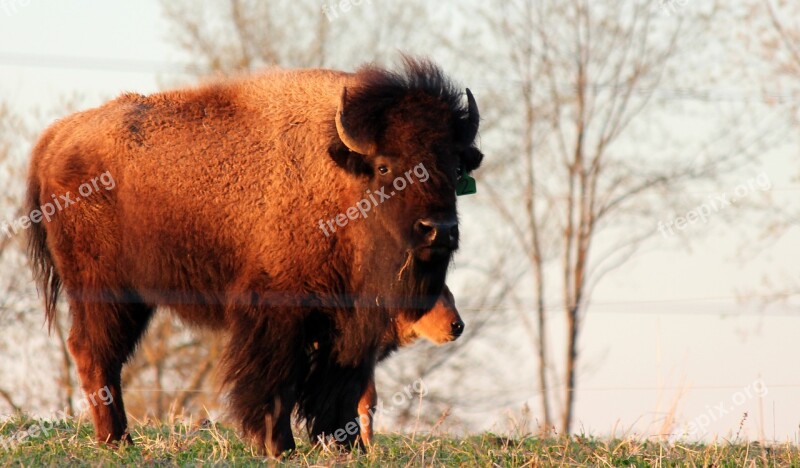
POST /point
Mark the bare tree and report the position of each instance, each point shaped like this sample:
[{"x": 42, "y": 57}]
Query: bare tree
[
  {"x": 785, "y": 37},
  {"x": 173, "y": 372},
  {"x": 773, "y": 48},
  {"x": 18, "y": 315},
  {"x": 569, "y": 88},
  {"x": 578, "y": 85},
  {"x": 240, "y": 35}
]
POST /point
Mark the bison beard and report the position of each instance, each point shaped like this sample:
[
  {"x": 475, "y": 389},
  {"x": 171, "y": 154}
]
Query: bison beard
[{"x": 214, "y": 216}]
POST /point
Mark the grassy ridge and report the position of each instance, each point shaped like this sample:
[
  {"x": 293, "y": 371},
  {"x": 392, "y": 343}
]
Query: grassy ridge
[{"x": 68, "y": 442}]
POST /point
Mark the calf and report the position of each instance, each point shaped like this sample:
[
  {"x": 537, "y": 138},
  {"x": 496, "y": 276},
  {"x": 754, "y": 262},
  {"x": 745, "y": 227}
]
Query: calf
[{"x": 441, "y": 325}]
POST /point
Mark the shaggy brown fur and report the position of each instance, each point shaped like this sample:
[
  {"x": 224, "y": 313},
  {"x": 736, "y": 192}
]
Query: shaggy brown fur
[{"x": 219, "y": 192}]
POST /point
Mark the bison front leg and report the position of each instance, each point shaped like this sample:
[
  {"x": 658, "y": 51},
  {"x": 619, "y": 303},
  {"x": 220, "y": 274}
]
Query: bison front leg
[
  {"x": 348, "y": 427},
  {"x": 332, "y": 399},
  {"x": 260, "y": 366},
  {"x": 268, "y": 427}
]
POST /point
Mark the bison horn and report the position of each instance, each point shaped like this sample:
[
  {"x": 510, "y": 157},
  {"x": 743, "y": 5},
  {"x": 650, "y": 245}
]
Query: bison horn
[
  {"x": 473, "y": 117},
  {"x": 354, "y": 144}
]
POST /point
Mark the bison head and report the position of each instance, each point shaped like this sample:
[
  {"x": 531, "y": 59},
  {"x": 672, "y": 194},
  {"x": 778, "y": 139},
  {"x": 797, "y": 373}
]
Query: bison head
[{"x": 409, "y": 137}]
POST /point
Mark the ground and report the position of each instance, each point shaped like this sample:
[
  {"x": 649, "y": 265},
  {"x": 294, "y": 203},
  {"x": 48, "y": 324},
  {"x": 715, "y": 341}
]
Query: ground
[{"x": 71, "y": 443}]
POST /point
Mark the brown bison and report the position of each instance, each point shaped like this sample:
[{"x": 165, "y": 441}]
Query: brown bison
[{"x": 220, "y": 193}]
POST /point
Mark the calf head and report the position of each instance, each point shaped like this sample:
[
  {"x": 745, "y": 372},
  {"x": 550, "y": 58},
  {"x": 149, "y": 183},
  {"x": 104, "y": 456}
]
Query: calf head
[{"x": 440, "y": 325}]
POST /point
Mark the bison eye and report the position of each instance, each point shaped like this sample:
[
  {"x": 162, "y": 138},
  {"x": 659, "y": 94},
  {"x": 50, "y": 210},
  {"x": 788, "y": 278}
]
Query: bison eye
[
  {"x": 459, "y": 172},
  {"x": 383, "y": 170}
]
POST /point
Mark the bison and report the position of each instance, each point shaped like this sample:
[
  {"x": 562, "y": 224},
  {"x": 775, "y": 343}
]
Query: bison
[{"x": 220, "y": 192}]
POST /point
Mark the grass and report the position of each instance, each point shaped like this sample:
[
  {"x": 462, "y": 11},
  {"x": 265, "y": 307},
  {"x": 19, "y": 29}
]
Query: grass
[{"x": 71, "y": 443}]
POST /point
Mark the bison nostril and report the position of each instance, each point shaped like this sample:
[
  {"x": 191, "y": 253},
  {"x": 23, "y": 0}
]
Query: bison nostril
[
  {"x": 426, "y": 228},
  {"x": 437, "y": 233},
  {"x": 457, "y": 328},
  {"x": 454, "y": 233}
]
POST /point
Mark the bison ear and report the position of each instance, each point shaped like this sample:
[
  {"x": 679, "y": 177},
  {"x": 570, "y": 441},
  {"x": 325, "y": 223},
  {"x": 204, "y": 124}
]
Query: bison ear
[
  {"x": 355, "y": 141},
  {"x": 351, "y": 162},
  {"x": 472, "y": 158}
]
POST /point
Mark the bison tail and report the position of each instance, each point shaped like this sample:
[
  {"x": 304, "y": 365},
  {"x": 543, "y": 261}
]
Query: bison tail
[{"x": 48, "y": 282}]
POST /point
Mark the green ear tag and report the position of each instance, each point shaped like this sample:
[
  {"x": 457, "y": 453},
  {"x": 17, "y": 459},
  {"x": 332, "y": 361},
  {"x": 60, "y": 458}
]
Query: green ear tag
[{"x": 466, "y": 185}]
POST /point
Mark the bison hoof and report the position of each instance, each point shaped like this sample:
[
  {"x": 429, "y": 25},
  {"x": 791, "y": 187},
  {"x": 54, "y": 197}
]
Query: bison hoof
[{"x": 115, "y": 442}]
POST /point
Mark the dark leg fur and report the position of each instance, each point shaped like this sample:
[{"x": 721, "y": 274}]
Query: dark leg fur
[
  {"x": 260, "y": 366},
  {"x": 330, "y": 396}
]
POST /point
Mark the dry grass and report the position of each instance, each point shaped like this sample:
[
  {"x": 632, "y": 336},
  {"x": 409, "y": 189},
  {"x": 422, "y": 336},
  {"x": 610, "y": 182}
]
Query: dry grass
[{"x": 71, "y": 443}]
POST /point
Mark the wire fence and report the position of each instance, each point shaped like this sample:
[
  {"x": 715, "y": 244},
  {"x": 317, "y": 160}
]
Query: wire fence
[{"x": 711, "y": 94}]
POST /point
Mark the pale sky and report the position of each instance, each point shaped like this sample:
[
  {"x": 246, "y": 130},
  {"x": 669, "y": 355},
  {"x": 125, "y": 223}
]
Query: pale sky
[{"x": 666, "y": 324}]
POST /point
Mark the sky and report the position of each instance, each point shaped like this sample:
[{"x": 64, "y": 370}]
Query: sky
[{"x": 668, "y": 326}]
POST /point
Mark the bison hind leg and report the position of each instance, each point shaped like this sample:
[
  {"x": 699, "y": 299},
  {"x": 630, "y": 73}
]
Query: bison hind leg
[{"x": 103, "y": 336}]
